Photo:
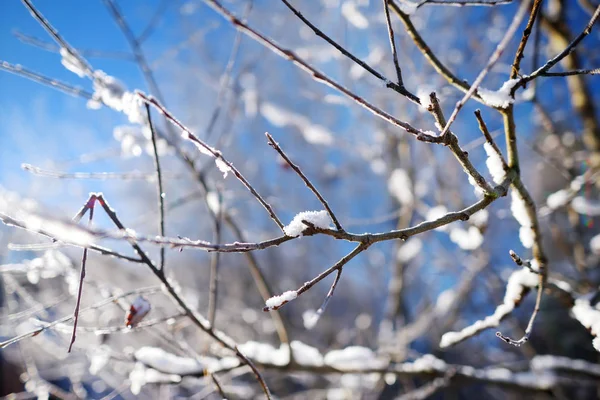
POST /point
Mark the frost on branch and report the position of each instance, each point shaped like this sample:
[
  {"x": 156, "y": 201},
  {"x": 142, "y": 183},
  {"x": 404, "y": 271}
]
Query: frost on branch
[
  {"x": 500, "y": 98},
  {"x": 72, "y": 63},
  {"x": 25, "y": 213},
  {"x": 494, "y": 163},
  {"x": 110, "y": 92},
  {"x": 588, "y": 316},
  {"x": 277, "y": 301},
  {"x": 320, "y": 219},
  {"x": 519, "y": 283}
]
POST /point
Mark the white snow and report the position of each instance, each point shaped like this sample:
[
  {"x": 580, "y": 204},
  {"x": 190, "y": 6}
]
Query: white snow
[
  {"x": 585, "y": 206},
  {"x": 319, "y": 219},
  {"x": 480, "y": 218},
  {"x": 140, "y": 375},
  {"x": 469, "y": 239},
  {"x": 399, "y": 185},
  {"x": 277, "y": 301},
  {"x": 499, "y": 98},
  {"x": 353, "y": 15},
  {"x": 169, "y": 363},
  {"x": 558, "y": 199},
  {"x": 354, "y": 357},
  {"x": 444, "y": 301},
  {"x": 589, "y": 317},
  {"x": 72, "y": 62},
  {"x": 423, "y": 93},
  {"x": 223, "y": 166},
  {"x": 435, "y": 213},
  {"x": 425, "y": 363},
  {"x": 476, "y": 188},
  {"x": 309, "y": 319},
  {"x": 595, "y": 244},
  {"x": 494, "y": 163},
  {"x": 409, "y": 250},
  {"x": 265, "y": 353},
  {"x": 542, "y": 362},
  {"x": 519, "y": 211},
  {"x": 517, "y": 282}
]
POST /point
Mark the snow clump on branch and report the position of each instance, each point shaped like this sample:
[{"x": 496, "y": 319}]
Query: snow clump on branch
[{"x": 320, "y": 219}]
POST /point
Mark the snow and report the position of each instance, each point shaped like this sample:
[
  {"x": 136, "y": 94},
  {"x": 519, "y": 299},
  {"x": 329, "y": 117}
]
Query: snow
[
  {"x": 212, "y": 199},
  {"x": 589, "y": 317},
  {"x": 223, "y": 166},
  {"x": 595, "y": 244},
  {"x": 469, "y": 239},
  {"x": 306, "y": 355},
  {"x": 444, "y": 301},
  {"x": 527, "y": 236},
  {"x": 480, "y": 218},
  {"x": 264, "y": 353},
  {"x": 354, "y": 357},
  {"x": 169, "y": 363},
  {"x": 542, "y": 362},
  {"x": 409, "y": 250},
  {"x": 494, "y": 163},
  {"x": 426, "y": 363},
  {"x": 354, "y": 16},
  {"x": 277, "y": 301},
  {"x": 140, "y": 375},
  {"x": 517, "y": 282},
  {"x": 309, "y": 319},
  {"x": 585, "y": 206},
  {"x": 476, "y": 188},
  {"x": 499, "y": 98},
  {"x": 558, "y": 199},
  {"x": 399, "y": 185},
  {"x": 25, "y": 212},
  {"x": 72, "y": 63},
  {"x": 435, "y": 213},
  {"x": 319, "y": 219},
  {"x": 519, "y": 211}
]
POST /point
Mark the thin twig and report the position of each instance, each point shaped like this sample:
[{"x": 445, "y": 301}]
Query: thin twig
[
  {"x": 399, "y": 87},
  {"x": 491, "y": 62},
  {"x": 390, "y": 30},
  {"x": 336, "y": 267},
  {"x": 159, "y": 186},
  {"x": 316, "y": 74},
  {"x": 44, "y": 80},
  {"x": 568, "y": 50},
  {"x": 519, "y": 55},
  {"x": 89, "y": 205},
  {"x": 215, "y": 153},
  {"x": 306, "y": 181}
]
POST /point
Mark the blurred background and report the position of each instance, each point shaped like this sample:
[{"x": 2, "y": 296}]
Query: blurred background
[{"x": 397, "y": 298}]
